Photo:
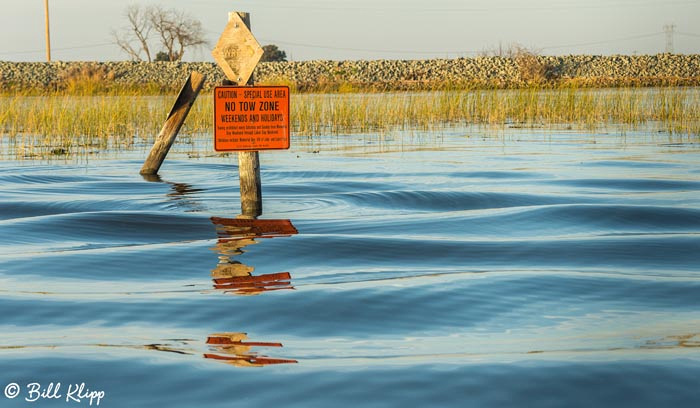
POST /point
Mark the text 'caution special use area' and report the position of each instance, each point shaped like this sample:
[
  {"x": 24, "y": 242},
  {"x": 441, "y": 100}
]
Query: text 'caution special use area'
[{"x": 251, "y": 118}]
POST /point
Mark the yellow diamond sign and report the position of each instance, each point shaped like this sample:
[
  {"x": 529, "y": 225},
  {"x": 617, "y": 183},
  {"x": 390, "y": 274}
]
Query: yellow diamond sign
[{"x": 237, "y": 51}]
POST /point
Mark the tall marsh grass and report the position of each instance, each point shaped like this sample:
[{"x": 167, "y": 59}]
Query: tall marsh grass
[
  {"x": 674, "y": 110},
  {"x": 58, "y": 123}
]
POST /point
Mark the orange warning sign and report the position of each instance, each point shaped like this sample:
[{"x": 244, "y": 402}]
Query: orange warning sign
[{"x": 251, "y": 118}]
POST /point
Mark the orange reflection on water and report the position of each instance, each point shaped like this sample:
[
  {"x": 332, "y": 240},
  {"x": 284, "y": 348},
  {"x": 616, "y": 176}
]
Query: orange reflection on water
[
  {"x": 235, "y": 234},
  {"x": 253, "y": 228},
  {"x": 252, "y": 284},
  {"x": 232, "y": 348}
]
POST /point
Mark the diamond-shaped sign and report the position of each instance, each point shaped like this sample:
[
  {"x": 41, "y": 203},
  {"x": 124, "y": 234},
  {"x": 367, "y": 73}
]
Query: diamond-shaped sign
[{"x": 237, "y": 51}]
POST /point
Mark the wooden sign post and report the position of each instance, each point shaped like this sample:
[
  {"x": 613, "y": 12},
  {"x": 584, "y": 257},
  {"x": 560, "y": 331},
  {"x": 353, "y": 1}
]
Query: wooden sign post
[{"x": 239, "y": 111}]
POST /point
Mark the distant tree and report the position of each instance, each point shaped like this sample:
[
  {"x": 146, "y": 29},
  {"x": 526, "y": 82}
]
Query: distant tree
[
  {"x": 177, "y": 31},
  {"x": 173, "y": 29},
  {"x": 138, "y": 32},
  {"x": 272, "y": 53},
  {"x": 511, "y": 50},
  {"x": 162, "y": 56}
]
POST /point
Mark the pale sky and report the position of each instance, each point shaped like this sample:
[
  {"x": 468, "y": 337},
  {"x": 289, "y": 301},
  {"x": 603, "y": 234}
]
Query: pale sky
[{"x": 369, "y": 29}]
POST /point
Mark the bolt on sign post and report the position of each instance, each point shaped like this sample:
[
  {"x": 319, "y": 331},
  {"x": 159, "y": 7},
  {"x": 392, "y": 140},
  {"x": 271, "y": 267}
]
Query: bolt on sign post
[{"x": 247, "y": 118}]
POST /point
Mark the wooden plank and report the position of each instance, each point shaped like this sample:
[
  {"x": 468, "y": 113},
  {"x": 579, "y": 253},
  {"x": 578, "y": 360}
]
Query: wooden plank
[{"x": 171, "y": 127}]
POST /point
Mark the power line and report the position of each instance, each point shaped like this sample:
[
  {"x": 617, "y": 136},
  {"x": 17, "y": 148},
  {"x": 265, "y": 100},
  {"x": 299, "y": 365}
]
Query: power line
[
  {"x": 374, "y": 7},
  {"x": 602, "y": 41},
  {"x": 327, "y": 47},
  {"x": 388, "y": 51},
  {"x": 57, "y": 49},
  {"x": 453, "y": 51}
]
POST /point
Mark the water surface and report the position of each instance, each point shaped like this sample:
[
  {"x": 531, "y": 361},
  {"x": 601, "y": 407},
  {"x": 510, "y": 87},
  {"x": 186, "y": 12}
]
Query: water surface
[{"x": 454, "y": 268}]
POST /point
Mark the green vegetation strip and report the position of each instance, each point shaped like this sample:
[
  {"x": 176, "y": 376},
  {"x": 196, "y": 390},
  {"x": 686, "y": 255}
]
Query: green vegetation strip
[{"x": 62, "y": 123}]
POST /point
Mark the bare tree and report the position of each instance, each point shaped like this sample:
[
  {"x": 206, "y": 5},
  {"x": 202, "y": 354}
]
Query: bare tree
[
  {"x": 175, "y": 32},
  {"x": 138, "y": 32}
]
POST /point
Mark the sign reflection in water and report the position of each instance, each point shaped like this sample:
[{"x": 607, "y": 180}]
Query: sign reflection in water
[
  {"x": 232, "y": 348},
  {"x": 235, "y": 234},
  {"x": 231, "y": 276}
]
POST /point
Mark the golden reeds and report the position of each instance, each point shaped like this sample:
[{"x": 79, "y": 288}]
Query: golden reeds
[
  {"x": 668, "y": 109},
  {"x": 58, "y": 122}
]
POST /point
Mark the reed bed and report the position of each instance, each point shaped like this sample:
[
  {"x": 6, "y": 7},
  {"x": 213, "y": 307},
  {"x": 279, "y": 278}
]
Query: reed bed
[
  {"x": 58, "y": 123},
  {"x": 673, "y": 110}
]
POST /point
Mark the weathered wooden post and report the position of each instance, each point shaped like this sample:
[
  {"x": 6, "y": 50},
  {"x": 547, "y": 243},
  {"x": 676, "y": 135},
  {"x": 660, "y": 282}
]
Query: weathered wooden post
[
  {"x": 171, "y": 127},
  {"x": 248, "y": 161},
  {"x": 48, "y": 34},
  {"x": 251, "y": 185},
  {"x": 246, "y": 121}
]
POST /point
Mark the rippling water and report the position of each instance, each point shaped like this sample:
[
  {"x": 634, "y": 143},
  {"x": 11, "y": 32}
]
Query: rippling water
[{"x": 458, "y": 268}]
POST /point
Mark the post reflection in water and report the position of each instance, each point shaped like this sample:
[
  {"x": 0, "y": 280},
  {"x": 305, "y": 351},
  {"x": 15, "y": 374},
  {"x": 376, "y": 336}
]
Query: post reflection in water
[
  {"x": 232, "y": 348},
  {"x": 232, "y": 276}
]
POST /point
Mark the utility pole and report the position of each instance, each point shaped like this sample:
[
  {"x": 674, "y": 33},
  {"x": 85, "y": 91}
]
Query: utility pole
[
  {"x": 48, "y": 37},
  {"x": 669, "y": 28}
]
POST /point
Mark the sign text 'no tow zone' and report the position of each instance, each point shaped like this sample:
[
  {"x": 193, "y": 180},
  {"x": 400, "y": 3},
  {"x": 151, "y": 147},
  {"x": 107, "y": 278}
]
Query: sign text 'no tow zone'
[{"x": 251, "y": 118}]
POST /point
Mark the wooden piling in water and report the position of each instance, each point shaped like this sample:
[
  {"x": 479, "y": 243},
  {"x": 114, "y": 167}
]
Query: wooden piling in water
[
  {"x": 171, "y": 127},
  {"x": 251, "y": 186},
  {"x": 249, "y": 162}
]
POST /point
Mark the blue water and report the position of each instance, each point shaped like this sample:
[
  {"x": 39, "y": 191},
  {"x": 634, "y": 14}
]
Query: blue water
[{"x": 455, "y": 268}]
